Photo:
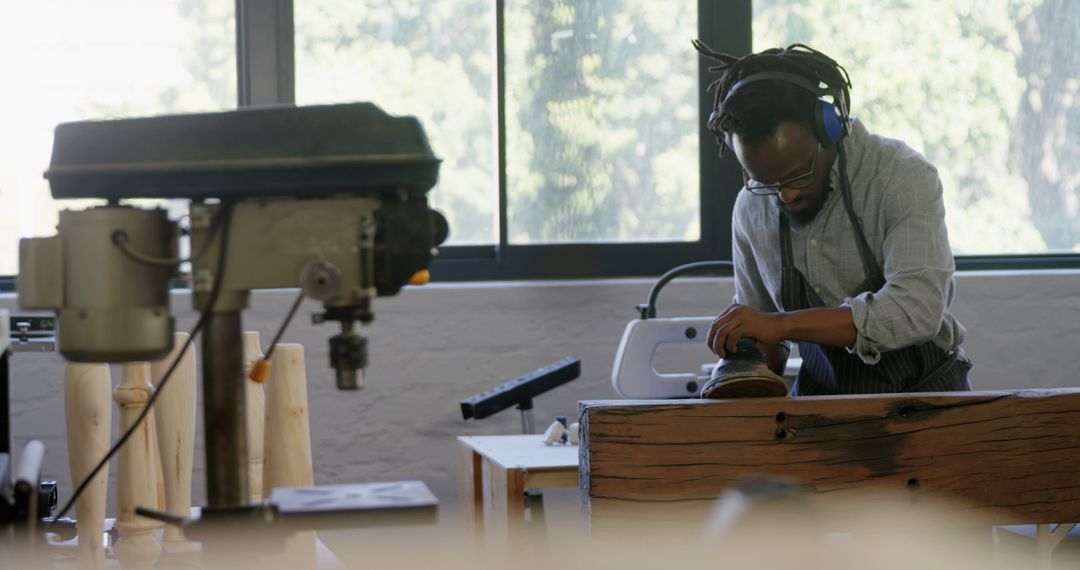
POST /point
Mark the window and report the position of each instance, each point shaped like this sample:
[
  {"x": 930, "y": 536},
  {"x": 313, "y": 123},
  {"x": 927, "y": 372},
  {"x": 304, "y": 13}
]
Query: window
[
  {"x": 431, "y": 59},
  {"x": 601, "y": 107},
  {"x": 66, "y": 60},
  {"x": 571, "y": 131},
  {"x": 988, "y": 91}
]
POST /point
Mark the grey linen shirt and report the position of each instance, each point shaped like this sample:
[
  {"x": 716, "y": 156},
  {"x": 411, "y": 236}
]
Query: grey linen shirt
[{"x": 897, "y": 197}]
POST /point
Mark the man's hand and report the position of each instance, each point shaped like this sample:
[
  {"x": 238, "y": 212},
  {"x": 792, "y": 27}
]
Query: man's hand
[{"x": 739, "y": 321}]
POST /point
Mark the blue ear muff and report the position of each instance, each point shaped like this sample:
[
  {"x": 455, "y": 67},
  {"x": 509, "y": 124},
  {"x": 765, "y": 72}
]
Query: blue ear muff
[
  {"x": 714, "y": 126},
  {"x": 828, "y": 124},
  {"x": 831, "y": 130}
]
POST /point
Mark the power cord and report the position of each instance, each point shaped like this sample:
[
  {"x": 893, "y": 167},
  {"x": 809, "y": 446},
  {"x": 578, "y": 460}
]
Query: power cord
[
  {"x": 120, "y": 240},
  {"x": 225, "y": 217}
]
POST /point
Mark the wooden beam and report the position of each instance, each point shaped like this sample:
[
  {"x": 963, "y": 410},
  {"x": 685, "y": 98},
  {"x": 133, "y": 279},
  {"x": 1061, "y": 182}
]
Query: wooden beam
[{"x": 1009, "y": 457}]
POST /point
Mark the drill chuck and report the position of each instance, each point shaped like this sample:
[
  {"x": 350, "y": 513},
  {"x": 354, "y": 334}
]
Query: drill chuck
[{"x": 348, "y": 356}]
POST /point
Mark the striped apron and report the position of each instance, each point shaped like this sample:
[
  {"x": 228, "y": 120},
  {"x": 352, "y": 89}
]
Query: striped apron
[{"x": 833, "y": 370}]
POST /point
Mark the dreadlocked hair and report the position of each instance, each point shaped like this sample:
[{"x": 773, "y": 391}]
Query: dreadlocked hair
[{"x": 754, "y": 111}]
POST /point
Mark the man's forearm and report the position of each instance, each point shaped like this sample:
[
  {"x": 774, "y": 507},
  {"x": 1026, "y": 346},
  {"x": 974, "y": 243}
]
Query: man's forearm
[{"x": 830, "y": 327}]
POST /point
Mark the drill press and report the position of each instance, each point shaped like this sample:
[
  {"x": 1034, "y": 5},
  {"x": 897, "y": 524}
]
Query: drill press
[{"x": 329, "y": 199}]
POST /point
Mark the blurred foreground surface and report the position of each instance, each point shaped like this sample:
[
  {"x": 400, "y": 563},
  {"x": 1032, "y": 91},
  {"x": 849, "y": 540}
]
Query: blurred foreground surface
[{"x": 764, "y": 527}]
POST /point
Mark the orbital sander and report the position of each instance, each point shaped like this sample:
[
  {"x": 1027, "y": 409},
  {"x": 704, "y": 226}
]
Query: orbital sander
[{"x": 744, "y": 374}]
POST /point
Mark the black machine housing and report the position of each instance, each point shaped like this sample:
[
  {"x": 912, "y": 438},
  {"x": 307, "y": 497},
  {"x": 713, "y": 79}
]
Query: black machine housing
[{"x": 353, "y": 149}]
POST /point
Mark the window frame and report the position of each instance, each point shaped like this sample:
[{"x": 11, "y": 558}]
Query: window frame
[
  {"x": 726, "y": 27},
  {"x": 266, "y": 75}
]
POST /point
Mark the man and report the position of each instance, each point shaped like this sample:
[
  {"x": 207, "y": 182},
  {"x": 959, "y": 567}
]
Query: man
[{"x": 839, "y": 235}]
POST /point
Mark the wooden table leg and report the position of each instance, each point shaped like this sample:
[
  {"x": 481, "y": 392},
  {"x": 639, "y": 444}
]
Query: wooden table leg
[
  {"x": 1043, "y": 547},
  {"x": 504, "y": 505},
  {"x": 1047, "y": 538},
  {"x": 471, "y": 491}
]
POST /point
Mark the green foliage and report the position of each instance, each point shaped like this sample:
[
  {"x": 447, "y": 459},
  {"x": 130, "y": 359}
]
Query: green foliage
[
  {"x": 602, "y": 121},
  {"x": 944, "y": 76},
  {"x": 428, "y": 59},
  {"x": 601, "y": 108},
  {"x": 206, "y": 53}
]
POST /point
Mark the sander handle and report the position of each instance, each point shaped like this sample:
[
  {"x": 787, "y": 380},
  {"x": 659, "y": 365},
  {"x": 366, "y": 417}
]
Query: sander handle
[{"x": 648, "y": 310}]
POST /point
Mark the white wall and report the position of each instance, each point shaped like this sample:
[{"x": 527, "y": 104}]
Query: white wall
[{"x": 433, "y": 346}]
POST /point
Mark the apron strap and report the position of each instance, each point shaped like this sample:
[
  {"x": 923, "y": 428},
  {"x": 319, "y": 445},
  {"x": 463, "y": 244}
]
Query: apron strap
[
  {"x": 829, "y": 370},
  {"x": 950, "y": 375},
  {"x": 874, "y": 274},
  {"x": 793, "y": 295}
]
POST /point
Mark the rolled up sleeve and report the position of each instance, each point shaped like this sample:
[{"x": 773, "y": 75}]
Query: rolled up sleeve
[{"x": 918, "y": 268}]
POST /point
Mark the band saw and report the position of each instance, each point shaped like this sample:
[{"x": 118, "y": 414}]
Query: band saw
[{"x": 634, "y": 374}]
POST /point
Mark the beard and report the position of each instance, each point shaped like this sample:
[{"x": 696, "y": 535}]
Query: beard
[{"x": 807, "y": 207}]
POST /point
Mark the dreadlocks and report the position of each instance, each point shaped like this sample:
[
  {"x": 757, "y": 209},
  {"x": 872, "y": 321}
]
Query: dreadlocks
[{"x": 754, "y": 111}]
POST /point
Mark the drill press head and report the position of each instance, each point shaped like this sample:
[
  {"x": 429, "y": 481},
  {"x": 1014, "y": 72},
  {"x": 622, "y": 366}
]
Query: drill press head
[{"x": 331, "y": 198}]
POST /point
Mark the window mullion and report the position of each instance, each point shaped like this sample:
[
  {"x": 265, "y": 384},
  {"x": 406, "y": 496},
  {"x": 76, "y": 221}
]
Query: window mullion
[
  {"x": 500, "y": 120},
  {"x": 265, "y": 59}
]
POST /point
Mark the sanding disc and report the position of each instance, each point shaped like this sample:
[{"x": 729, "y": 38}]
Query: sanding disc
[{"x": 751, "y": 386}]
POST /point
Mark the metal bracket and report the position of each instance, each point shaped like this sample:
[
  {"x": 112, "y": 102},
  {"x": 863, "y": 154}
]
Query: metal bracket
[{"x": 1047, "y": 538}]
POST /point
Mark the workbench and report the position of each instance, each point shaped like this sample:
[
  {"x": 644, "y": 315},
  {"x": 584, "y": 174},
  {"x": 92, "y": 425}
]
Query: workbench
[{"x": 996, "y": 458}]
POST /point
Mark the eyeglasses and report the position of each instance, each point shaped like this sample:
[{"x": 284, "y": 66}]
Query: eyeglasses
[{"x": 795, "y": 182}]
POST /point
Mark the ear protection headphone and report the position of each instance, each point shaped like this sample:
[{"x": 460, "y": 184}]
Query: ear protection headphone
[{"x": 830, "y": 120}]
